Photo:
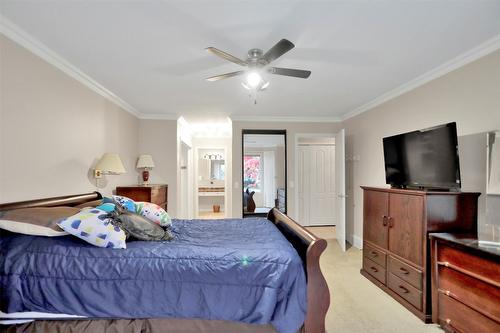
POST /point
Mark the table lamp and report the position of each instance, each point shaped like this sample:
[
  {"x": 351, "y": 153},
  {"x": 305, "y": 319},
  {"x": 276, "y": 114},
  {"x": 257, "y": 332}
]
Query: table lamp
[{"x": 145, "y": 162}]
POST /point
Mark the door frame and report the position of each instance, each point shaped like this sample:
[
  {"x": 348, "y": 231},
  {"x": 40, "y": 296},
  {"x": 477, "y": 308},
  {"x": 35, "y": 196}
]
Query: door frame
[
  {"x": 296, "y": 164},
  {"x": 196, "y": 173},
  {"x": 262, "y": 131}
]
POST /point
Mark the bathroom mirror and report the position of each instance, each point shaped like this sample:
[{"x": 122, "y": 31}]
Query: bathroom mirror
[{"x": 211, "y": 165}]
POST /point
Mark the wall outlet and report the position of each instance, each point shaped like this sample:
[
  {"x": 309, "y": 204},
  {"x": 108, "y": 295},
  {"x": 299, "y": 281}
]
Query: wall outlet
[{"x": 97, "y": 174}]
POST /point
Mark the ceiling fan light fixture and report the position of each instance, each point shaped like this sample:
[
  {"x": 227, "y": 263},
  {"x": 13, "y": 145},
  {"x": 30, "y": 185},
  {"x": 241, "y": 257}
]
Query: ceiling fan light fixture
[
  {"x": 245, "y": 86},
  {"x": 253, "y": 79}
]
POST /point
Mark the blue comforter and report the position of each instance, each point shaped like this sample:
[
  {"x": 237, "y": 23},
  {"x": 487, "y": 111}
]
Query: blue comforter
[{"x": 238, "y": 270}]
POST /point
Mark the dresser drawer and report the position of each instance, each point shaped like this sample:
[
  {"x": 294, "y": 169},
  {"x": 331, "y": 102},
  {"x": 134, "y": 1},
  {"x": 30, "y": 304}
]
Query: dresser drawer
[
  {"x": 375, "y": 270},
  {"x": 478, "y": 295},
  {"x": 469, "y": 262},
  {"x": 457, "y": 317},
  {"x": 405, "y": 272},
  {"x": 158, "y": 195},
  {"x": 374, "y": 254},
  {"x": 411, "y": 294}
]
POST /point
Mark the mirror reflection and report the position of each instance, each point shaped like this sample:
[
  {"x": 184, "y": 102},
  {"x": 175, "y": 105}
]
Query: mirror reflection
[{"x": 264, "y": 171}]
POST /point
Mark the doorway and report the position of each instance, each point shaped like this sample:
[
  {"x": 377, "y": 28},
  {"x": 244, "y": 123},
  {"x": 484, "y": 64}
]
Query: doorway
[
  {"x": 316, "y": 180},
  {"x": 264, "y": 173},
  {"x": 211, "y": 180},
  {"x": 320, "y": 174}
]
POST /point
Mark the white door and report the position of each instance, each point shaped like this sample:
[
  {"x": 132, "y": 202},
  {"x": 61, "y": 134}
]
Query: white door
[
  {"x": 340, "y": 200},
  {"x": 316, "y": 184}
]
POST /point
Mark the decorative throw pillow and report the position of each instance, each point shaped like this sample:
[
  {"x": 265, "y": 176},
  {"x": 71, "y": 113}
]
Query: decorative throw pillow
[
  {"x": 40, "y": 221},
  {"x": 94, "y": 226},
  {"x": 125, "y": 202},
  {"x": 107, "y": 207},
  {"x": 154, "y": 213}
]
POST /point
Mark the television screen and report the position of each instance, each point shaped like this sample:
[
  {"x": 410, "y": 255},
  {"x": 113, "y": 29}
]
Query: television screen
[{"x": 423, "y": 159}]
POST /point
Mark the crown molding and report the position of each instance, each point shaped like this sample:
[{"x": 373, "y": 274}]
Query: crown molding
[
  {"x": 158, "y": 116},
  {"x": 286, "y": 119},
  {"x": 491, "y": 45},
  {"x": 16, "y": 34}
]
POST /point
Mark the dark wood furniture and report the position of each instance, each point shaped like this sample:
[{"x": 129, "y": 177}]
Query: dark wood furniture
[
  {"x": 308, "y": 246},
  {"x": 396, "y": 224},
  {"x": 465, "y": 284},
  {"x": 157, "y": 194}
]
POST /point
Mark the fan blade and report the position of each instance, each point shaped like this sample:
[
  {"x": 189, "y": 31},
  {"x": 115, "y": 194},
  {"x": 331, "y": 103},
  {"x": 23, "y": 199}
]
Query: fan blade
[
  {"x": 224, "y": 76},
  {"x": 290, "y": 72},
  {"x": 281, "y": 47},
  {"x": 226, "y": 56}
]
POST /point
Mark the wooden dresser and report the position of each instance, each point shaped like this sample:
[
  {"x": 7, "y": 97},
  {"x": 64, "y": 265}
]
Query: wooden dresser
[
  {"x": 396, "y": 224},
  {"x": 157, "y": 194},
  {"x": 465, "y": 284}
]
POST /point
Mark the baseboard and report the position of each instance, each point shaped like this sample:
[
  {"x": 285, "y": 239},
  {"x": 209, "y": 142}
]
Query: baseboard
[{"x": 356, "y": 241}]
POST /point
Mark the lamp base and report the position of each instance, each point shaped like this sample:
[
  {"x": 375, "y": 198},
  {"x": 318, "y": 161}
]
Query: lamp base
[{"x": 145, "y": 177}]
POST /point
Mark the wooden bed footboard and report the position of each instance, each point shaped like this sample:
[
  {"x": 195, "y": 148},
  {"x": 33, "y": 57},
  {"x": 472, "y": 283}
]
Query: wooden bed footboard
[
  {"x": 310, "y": 249},
  {"x": 308, "y": 246}
]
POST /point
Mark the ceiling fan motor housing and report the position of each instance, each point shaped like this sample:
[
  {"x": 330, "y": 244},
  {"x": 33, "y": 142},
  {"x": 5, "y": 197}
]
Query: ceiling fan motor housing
[{"x": 255, "y": 58}]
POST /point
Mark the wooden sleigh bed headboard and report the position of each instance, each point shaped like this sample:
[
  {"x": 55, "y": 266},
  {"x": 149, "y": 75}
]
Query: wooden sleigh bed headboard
[{"x": 308, "y": 246}]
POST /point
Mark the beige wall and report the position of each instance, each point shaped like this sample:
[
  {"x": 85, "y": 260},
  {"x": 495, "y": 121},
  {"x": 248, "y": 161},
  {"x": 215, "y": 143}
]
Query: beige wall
[
  {"x": 292, "y": 129},
  {"x": 53, "y": 129},
  {"x": 469, "y": 95},
  {"x": 159, "y": 138}
]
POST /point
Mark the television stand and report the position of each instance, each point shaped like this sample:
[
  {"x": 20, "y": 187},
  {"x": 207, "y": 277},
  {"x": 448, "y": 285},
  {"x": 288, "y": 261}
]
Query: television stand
[{"x": 396, "y": 223}]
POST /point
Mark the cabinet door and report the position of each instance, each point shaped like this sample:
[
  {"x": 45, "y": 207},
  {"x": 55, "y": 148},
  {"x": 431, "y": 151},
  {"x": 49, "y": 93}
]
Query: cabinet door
[
  {"x": 405, "y": 226},
  {"x": 375, "y": 211}
]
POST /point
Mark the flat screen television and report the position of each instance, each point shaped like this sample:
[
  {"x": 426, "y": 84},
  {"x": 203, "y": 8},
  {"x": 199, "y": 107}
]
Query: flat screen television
[{"x": 426, "y": 159}]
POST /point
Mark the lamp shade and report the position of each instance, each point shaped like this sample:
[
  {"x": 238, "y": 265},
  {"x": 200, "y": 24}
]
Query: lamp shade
[
  {"x": 145, "y": 161},
  {"x": 110, "y": 163}
]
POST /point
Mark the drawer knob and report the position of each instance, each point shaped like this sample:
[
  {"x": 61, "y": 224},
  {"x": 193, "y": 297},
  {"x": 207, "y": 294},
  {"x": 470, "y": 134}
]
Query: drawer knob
[
  {"x": 374, "y": 269},
  {"x": 373, "y": 253},
  {"x": 404, "y": 271},
  {"x": 384, "y": 220},
  {"x": 405, "y": 290}
]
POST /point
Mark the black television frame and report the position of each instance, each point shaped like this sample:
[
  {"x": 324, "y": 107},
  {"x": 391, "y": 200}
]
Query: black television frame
[{"x": 455, "y": 186}]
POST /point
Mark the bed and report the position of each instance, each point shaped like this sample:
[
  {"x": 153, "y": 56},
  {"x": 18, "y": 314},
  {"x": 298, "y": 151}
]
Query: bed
[{"x": 215, "y": 276}]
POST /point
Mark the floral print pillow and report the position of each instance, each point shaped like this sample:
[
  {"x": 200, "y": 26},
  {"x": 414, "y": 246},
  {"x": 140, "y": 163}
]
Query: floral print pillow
[{"x": 154, "y": 213}]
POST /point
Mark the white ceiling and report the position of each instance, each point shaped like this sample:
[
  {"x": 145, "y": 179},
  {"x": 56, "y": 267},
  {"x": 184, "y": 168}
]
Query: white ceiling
[{"x": 151, "y": 53}]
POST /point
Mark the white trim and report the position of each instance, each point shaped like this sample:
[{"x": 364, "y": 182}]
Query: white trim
[
  {"x": 356, "y": 241},
  {"x": 287, "y": 119},
  {"x": 16, "y": 34},
  {"x": 478, "y": 52}
]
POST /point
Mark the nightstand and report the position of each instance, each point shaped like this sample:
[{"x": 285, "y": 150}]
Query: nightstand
[{"x": 154, "y": 193}]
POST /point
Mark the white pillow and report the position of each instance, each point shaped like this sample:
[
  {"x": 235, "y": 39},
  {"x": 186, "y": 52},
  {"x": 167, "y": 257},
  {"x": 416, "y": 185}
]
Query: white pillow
[
  {"x": 30, "y": 229},
  {"x": 37, "y": 221},
  {"x": 93, "y": 226}
]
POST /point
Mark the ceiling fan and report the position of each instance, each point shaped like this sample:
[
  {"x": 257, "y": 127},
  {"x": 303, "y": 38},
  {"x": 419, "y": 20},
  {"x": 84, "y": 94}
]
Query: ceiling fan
[{"x": 257, "y": 61}]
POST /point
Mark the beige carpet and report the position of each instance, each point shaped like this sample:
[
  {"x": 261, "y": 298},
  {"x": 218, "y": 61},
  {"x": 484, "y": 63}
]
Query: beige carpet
[{"x": 357, "y": 305}]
